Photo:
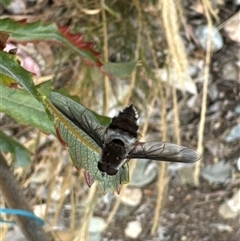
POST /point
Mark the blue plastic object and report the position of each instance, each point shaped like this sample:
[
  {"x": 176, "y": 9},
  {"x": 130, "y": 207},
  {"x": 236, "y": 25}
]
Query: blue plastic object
[{"x": 20, "y": 213}]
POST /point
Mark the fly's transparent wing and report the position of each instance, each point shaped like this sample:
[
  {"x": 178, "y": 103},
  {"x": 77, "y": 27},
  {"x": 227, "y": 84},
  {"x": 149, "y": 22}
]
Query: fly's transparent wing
[
  {"x": 84, "y": 150},
  {"x": 79, "y": 115},
  {"x": 163, "y": 151}
]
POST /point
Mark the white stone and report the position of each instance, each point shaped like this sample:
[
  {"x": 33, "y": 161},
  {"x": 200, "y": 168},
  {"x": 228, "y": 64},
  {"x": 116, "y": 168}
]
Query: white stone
[
  {"x": 231, "y": 208},
  {"x": 131, "y": 196},
  {"x": 133, "y": 229},
  {"x": 202, "y": 32},
  {"x": 96, "y": 225}
]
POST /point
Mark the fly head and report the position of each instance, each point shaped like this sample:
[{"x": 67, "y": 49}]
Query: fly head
[{"x": 113, "y": 154}]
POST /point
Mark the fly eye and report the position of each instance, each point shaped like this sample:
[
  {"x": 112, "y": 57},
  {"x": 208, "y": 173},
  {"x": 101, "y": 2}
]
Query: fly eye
[
  {"x": 104, "y": 168},
  {"x": 112, "y": 171}
]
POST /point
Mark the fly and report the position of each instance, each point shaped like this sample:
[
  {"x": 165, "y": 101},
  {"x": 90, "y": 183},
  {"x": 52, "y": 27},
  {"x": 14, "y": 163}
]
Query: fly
[{"x": 118, "y": 142}]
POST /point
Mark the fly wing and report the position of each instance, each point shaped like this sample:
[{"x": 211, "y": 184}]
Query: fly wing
[
  {"x": 163, "y": 151},
  {"x": 80, "y": 116}
]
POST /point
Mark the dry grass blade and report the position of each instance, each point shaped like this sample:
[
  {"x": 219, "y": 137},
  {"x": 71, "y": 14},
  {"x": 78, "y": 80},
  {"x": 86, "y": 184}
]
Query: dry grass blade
[
  {"x": 137, "y": 51},
  {"x": 82, "y": 234},
  {"x": 176, "y": 116},
  {"x": 162, "y": 185},
  {"x": 208, "y": 10},
  {"x": 177, "y": 52},
  {"x": 235, "y": 17},
  {"x": 105, "y": 54},
  {"x": 64, "y": 187},
  {"x": 178, "y": 61}
]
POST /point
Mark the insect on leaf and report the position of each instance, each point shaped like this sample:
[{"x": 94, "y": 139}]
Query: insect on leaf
[{"x": 81, "y": 131}]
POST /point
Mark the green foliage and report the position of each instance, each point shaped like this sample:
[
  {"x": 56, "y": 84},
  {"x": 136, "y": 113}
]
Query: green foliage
[
  {"x": 5, "y": 3},
  {"x": 20, "y": 154},
  {"x": 21, "y": 104},
  {"x": 10, "y": 69},
  {"x": 120, "y": 70},
  {"x": 25, "y": 109}
]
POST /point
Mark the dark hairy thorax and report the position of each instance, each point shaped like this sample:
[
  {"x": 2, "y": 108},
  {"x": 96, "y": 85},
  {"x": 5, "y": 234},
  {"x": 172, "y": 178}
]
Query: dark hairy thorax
[{"x": 126, "y": 121}]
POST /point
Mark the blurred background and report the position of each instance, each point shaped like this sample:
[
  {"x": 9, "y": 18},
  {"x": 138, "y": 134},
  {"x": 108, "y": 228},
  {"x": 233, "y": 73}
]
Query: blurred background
[{"x": 185, "y": 87}]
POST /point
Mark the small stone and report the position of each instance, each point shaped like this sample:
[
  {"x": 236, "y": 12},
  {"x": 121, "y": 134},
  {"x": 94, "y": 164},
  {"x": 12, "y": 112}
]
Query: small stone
[
  {"x": 202, "y": 32},
  {"x": 17, "y": 6},
  {"x": 222, "y": 227},
  {"x": 232, "y": 28},
  {"x": 234, "y": 133},
  {"x": 96, "y": 224},
  {"x": 183, "y": 82},
  {"x": 131, "y": 197},
  {"x": 213, "y": 92},
  {"x": 229, "y": 72},
  {"x": 238, "y": 164},
  {"x": 237, "y": 109},
  {"x": 219, "y": 172},
  {"x": 133, "y": 229},
  {"x": 192, "y": 70},
  {"x": 162, "y": 234},
  {"x": 184, "y": 172},
  {"x": 231, "y": 208},
  {"x": 124, "y": 210},
  {"x": 143, "y": 174}
]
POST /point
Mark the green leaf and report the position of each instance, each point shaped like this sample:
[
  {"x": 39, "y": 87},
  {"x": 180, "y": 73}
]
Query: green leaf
[
  {"x": 103, "y": 120},
  {"x": 24, "y": 108},
  {"x": 5, "y": 3},
  {"x": 80, "y": 130},
  {"x": 44, "y": 88},
  {"x": 21, "y": 156},
  {"x": 120, "y": 70},
  {"x": 10, "y": 67}
]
